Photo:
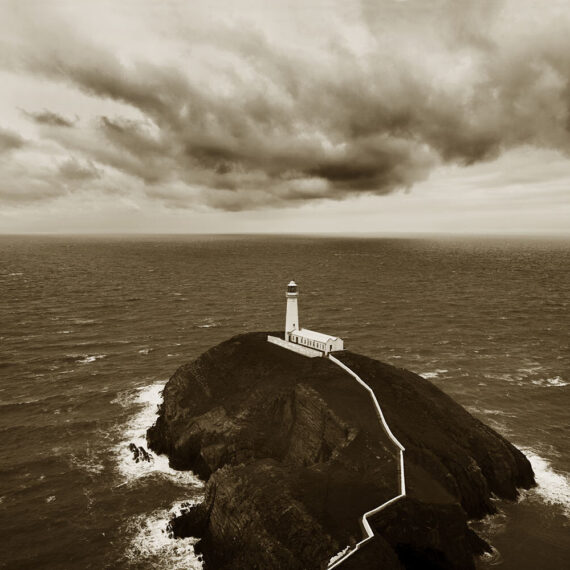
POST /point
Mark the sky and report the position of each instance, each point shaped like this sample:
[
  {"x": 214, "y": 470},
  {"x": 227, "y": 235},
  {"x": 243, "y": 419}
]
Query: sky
[{"x": 247, "y": 116}]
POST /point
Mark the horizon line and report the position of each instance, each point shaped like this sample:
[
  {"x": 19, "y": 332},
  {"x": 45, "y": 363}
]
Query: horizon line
[{"x": 406, "y": 234}]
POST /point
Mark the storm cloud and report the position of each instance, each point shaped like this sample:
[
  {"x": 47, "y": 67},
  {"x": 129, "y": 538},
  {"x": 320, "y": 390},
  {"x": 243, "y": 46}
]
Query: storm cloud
[
  {"x": 73, "y": 170},
  {"x": 233, "y": 113},
  {"x": 9, "y": 141},
  {"x": 46, "y": 117}
]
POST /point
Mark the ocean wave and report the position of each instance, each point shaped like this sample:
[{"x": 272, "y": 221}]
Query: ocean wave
[
  {"x": 89, "y": 463},
  {"x": 87, "y": 358},
  {"x": 433, "y": 374},
  {"x": 494, "y": 419},
  {"x": 153, "y": 546},
  {"x": 520, "y": 376},
  {"x": 488, "y": 528},
  {"x": 553, "y": 487},
  {"x": 125, "y": 399},
  {"x": 80, "y": 359},
  {"x": 14, "y": 405},
  {"x": 207, "y": 324},
  {"x": 489, "y": 412},
  {"x": 147, "y": 399},
  {"x": 531, "y": 367},
  {"x": 555, "y": 381},
  {"x": 80, "y": 321}
]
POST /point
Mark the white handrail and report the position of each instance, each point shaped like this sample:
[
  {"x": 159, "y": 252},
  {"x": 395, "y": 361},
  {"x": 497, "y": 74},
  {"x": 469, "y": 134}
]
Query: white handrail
[
  {"x": 365, "y": 523},
  {"x": 376, "y": 404}
]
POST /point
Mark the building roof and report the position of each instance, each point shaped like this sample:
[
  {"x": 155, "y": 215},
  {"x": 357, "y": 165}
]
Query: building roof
[{"x": 312, "y": 335}]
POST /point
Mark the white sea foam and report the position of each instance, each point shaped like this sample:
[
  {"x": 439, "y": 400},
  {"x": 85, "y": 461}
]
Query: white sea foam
[
  {"x": 145, "y": 350},
  {"x": 207, "y": 323},
  {"x": 521, "y": 375},
  {"x": 89, "y": 496},
  {"x": 87, "y": 358},
  {"x": 89, "y": 462},
  {"x": 555, "y": 381},
  {"x": 532, "y": 368},
  {"x": 433, "y": 374},
  {"x": 493, "y": 418},
  {"x": 552, "y": 487},
  {"x": 490, "y": 412},
  {"x": 493, "y": 524},
  {"x": 153, "y": 546},
  {"x": 147, "y": 399},
  {"x": 125, "y": 399}
]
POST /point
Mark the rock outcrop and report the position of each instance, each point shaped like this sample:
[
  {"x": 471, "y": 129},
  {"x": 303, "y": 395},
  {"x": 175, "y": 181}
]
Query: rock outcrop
[
  {"x": 139, "y": 453},
  {"x": 293, "y": 455}
]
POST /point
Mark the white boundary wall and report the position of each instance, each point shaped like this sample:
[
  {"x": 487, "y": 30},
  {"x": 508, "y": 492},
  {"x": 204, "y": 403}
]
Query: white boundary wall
[
  {"x": 365, "y": 524},
  {"x": 304, "y": 350}
]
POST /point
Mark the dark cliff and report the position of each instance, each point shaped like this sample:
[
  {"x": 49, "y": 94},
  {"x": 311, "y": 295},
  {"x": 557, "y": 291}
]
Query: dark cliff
[{"x": 294, "y": 455}]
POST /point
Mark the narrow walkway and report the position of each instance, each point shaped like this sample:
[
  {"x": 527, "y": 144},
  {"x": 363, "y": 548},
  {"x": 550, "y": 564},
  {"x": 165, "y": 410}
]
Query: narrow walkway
[{"x": 365, "y": 516}]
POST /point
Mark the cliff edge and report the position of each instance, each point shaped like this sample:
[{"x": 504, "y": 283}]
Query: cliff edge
[{"x": 294, "y": 454}]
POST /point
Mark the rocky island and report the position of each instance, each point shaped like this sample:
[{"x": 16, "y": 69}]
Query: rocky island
[{"x": 293, "y": 455}]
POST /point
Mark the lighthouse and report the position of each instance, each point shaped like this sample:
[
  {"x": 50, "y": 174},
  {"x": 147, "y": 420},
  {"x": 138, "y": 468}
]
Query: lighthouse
[
  {"x": 304, "y": 341},
  {"x": 292, "y": 313}
]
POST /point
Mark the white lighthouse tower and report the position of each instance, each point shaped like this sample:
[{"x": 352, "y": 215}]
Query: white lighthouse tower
[{"x": 292, "y": 314}]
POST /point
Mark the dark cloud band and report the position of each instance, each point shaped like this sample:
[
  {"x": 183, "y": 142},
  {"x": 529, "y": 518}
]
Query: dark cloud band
[
  {"x": 310, "y": 125},
  {"x": 10, "y": 140},
  {"x": 50, "y": 118}
]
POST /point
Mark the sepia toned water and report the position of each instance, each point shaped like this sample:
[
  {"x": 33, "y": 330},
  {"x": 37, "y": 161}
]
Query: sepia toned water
[{"x": 91, "y": 329}]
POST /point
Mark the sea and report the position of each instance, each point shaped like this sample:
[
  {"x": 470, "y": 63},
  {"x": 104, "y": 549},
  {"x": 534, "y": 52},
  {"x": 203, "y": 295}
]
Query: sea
[{"x": 92, "y": 327}]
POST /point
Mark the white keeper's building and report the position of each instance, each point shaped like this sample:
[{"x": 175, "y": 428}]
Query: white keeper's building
[{"x": 304, "y": 341}]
